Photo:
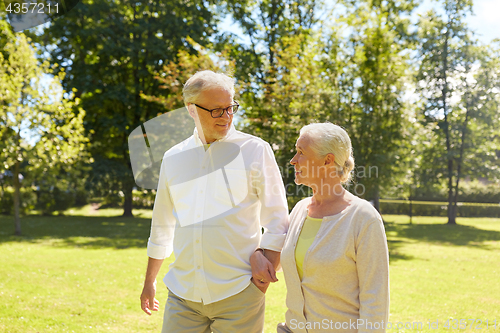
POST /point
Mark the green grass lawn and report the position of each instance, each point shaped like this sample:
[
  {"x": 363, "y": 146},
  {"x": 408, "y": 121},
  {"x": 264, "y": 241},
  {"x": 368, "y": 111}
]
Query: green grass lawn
[{"x": 83, "y": 272}]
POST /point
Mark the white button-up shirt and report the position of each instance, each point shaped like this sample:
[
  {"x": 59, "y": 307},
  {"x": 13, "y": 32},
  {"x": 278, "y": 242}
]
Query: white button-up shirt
[{"x": 209, "y": 211}]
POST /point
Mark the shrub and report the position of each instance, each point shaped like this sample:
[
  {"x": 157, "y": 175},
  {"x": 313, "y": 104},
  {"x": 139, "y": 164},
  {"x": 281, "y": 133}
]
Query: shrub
[
  {"x": 27, "y": 201},
  {"x": 54, "y": 200},
  {"x": 143, "y": 199},
  {"x": 472, "y": 191}
]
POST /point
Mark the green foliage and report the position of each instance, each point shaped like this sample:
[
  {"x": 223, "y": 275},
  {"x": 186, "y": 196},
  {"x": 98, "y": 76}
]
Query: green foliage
[
  {"x": 104, "y": 180},
  {"x": 36, "y": 107},
  {"x": 144, "y": 199},
  {"x": 373, "y": 73},
  {"x": 28, "y": 201},
  {"x": 289, "y": 101},
  {"x": 470, "y": 191},
  {"x": 458, "y": 79},
  {"x": 476, "y": 191},
  {"x": 293, "y": 75},
  {"x": 113, "y": 51},
  {"x": 54, "y": 200},
  {"x": 280, "y": 74},
  {"x": 438, "y": 210},
  {"x": 354, "y": 66},
  {"x": 173, "y": 74},
  {"x": 265, "y": 23}
]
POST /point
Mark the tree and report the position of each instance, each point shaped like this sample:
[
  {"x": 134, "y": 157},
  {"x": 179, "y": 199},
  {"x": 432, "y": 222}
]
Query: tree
[
  {"x": 264, "y": 24},
  {"x": 268, "y": 25},
  {"x": 275, "y": 67},
  {"x": 459, "y": 80},
  {"x": 111, "y": 51},
  {"x": 370, "y": 70},
  {"x": 294, "y": 98},
  {"x": 296, "y": 73},
  {"x": 174, "y": 73},
  {"x": 27, "y": 103}
]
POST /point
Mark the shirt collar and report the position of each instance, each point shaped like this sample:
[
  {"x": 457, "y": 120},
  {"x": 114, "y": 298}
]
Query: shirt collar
[{"x": 229, "y": 133}]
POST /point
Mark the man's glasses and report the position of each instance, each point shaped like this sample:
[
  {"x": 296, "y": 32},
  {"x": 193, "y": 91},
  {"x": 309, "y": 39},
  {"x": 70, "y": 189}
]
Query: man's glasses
[{"x": 218, "y": 112}]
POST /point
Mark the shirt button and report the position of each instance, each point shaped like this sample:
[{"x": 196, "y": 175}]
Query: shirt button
[
  {"x": 197, "y": 241},
  {"x": 198, "y": 215},
  {"x": 198, "y": 267}
]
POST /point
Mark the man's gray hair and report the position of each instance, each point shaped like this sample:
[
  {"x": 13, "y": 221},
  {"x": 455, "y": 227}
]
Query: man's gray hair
[
  {"x": 328, "y": 138},
  {"x": 206, "y": 80}
]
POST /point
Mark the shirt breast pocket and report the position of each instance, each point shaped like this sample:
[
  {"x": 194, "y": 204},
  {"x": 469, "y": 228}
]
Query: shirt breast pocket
[{"x": 232, "y": 186}]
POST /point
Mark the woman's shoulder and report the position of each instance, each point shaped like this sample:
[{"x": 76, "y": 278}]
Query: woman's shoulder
[
  {"x": 299, "y": 207},
  {"x": 364, "y": 210}
]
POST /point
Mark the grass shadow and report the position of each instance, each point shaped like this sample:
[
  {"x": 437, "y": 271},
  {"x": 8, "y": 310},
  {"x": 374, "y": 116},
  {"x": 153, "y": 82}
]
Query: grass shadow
[
  {"x": 79, "y": 231},
  {"x": 394, "y": 253},
  {"x": 456, "y": 235}
]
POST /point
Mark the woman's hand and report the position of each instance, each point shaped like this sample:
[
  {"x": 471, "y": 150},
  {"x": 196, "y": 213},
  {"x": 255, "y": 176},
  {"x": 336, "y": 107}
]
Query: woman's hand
[{"x": 263, "y": 272}]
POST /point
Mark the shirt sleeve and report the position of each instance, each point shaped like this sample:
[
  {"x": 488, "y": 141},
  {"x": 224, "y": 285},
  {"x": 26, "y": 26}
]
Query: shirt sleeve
[
  {"x": 272, "y": 196},
  {"x": 160, "y": 243},
  {"x": 372, "y": 262}
]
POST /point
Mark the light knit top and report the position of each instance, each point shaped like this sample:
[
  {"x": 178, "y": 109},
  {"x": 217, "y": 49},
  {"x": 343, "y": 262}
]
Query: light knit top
[
  {"x": 306, "y": 238},
  {"x": 346, "y": 272}
]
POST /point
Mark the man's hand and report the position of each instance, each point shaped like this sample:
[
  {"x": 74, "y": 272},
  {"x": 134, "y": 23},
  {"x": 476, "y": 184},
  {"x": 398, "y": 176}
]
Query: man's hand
[
  {"x": 148, "y": 301},
  {"x": 263, "y": 272}
]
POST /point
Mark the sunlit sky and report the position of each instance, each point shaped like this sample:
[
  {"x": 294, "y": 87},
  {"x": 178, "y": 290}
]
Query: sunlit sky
[{"x": 485, "y": 21}]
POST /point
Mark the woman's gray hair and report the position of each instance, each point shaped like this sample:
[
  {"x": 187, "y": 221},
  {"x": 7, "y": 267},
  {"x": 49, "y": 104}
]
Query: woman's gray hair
[
  {"x": 206, "y": 80},
  {"x": 328, "y": 138}
]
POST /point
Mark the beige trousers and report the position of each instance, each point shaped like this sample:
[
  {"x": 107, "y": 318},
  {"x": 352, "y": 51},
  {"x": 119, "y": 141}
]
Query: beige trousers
[
  {"x": 243, "y": 312},
  {"x": 282, "y": 328}
]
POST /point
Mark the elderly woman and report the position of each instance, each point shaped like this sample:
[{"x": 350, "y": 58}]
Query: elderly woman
[{"x": 335, "y": 258}]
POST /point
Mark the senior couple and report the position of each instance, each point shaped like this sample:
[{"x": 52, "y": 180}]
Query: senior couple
[{"x": 220, "y": 188}]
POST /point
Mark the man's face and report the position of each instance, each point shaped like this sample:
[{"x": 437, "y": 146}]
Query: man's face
[{"x": 212, "y": 129}]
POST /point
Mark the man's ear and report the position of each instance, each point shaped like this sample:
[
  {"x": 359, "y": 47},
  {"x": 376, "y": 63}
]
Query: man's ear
[
  {"x": 192, "y": 110},
  {"x": 329, "y": 159}
]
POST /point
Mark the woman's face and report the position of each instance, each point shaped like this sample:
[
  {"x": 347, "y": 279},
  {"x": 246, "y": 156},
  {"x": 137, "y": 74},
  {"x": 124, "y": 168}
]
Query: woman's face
[{"x": 309, "y": 168}]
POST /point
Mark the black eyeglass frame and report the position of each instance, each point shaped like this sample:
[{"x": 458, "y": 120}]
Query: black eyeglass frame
[{"x": 234, "y": 106}]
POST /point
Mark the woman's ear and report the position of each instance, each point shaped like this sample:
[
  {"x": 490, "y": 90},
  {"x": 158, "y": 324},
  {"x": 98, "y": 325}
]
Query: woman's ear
[{"x": 329, "y": 159}]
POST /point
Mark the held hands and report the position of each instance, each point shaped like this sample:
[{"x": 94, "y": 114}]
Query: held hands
[
  {"x": 148, "y": 301},
  {"x": 263, "y": 272}
]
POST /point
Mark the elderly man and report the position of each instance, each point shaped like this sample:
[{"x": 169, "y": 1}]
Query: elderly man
[{"x": 217, "y": 190}]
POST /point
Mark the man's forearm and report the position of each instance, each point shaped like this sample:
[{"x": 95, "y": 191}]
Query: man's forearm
[
  {"x": 273, "y": 257},
  {"x": 153, "y": 269}
]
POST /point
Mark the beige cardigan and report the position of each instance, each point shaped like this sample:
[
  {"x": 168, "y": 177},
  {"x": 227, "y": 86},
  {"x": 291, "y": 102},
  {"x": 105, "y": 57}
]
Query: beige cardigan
[{"x": 346, "y": 272}]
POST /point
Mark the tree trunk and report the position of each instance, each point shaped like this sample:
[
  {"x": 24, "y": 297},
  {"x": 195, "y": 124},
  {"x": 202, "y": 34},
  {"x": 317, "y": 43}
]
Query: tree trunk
[
  {"x": 17, "y": 198},
  {"x": 2, "y": 190},
  {"x": 459, "y": 165},
  {"x": 452, "y": 219},
  {"x": 451, "y": 208},
  {"x": 444, "y": 95},
  {"x": 127, "y": 184},
  {"x": 127, "y": 204},
  {"x": 411, "y": 206}
]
